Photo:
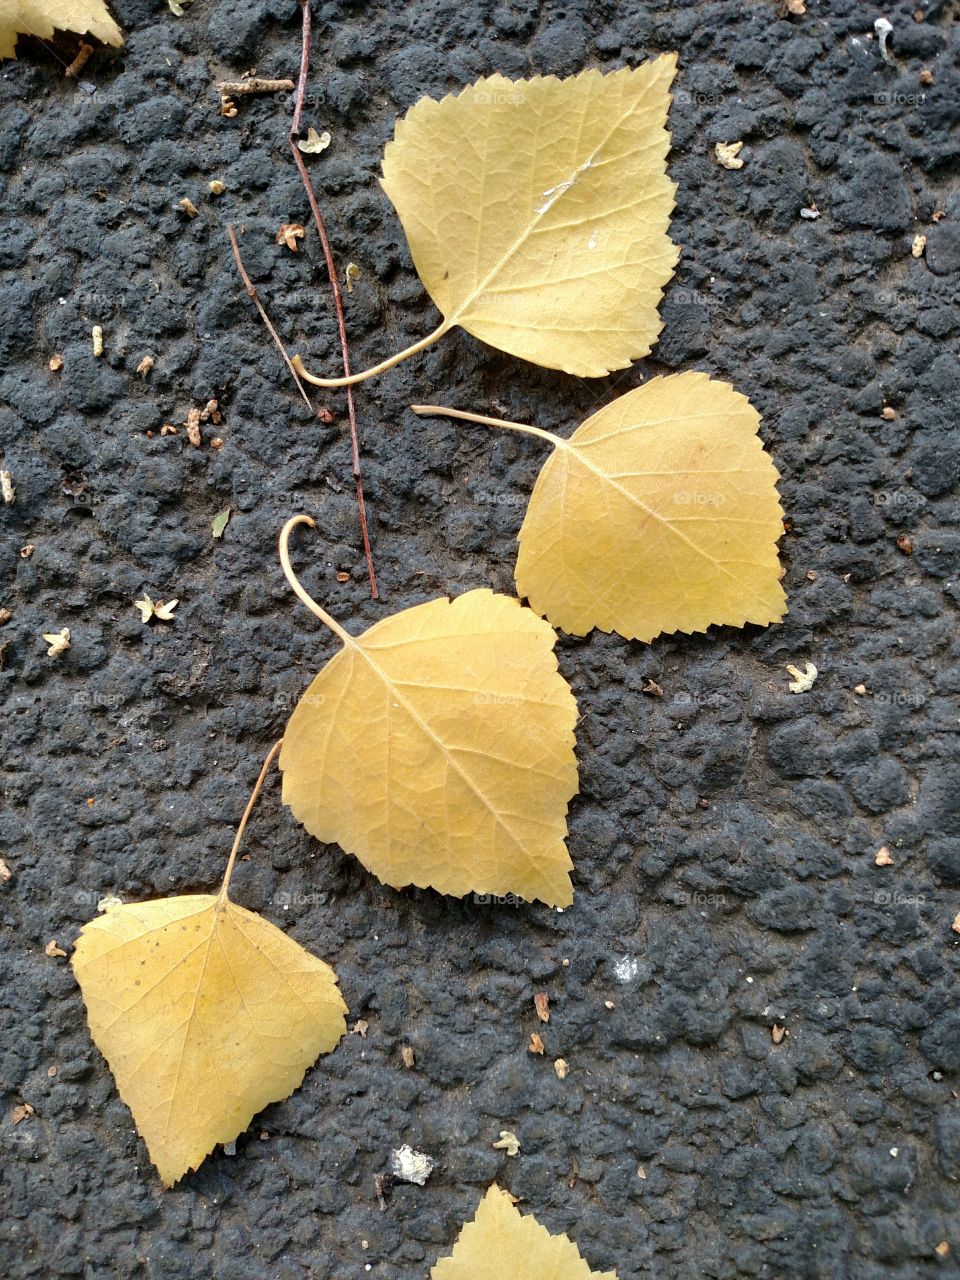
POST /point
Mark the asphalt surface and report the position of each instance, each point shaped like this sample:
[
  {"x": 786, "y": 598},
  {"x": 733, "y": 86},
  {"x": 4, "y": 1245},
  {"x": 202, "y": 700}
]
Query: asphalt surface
[{"x": 725, "y": 836}]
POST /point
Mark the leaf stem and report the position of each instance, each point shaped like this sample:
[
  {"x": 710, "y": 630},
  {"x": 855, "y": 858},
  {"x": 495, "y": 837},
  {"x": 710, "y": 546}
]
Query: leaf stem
[
  {"x": 294, "y": 581},
  {"x": 258, "y": 787},
  {"x": 437, "y": 411},
  {"x": 372, "y": 372}
]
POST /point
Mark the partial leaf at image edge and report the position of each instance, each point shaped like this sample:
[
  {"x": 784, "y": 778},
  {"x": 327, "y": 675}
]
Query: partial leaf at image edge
[
  {"x": 42, "y": 17},
  {"x": 503, "y": 1244}
]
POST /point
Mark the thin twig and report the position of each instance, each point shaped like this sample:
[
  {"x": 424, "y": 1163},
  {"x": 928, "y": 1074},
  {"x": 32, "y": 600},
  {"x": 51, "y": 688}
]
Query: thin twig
[
  {"x": 233, "y": 87},
  {"x": 334, "y": 285},
  {"x": 248, "y": 285}
]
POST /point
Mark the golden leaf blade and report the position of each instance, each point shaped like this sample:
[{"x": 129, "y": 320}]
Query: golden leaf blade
[
  {"x": 41, "y": 17},
  {"x": 503, "y": 1244},
  {"x": 537, "y": 212},
  {"x": 205, "y": 1013},
  {"x": 438, "y": 748},
  {"x": 659, "y": 514}
]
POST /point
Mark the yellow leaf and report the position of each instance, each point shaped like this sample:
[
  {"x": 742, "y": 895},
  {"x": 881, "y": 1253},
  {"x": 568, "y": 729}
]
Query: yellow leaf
[
  {"x": 40, "y": 17},
  {"x": 205, "y": 1013},
  {"x": 659, "y": 514},
  {"x": 503, "y": 1244},
  {"x": 438, "y": 748},
  {"x": 537, "y": 213}
]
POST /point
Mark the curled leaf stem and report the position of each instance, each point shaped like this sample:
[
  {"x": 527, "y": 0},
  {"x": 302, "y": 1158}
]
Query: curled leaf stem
[
  {"x": 258, "y": 787},
  {"x": 437, "y": 411},
  {"x": 291, "y": 577},
  {"x": 372, "y": 372}
]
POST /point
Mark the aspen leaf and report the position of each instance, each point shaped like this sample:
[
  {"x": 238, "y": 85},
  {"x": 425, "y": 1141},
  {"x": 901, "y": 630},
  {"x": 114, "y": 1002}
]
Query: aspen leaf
[
  {"x": 537, "y": 213},
  {"x": 205, "y": 1013},
  {"x": 438, "y": 748},
  {"x": 41, "y": 17},
  {"x": 503, "y": 1244},
  {"x": 659, "y": 514}
]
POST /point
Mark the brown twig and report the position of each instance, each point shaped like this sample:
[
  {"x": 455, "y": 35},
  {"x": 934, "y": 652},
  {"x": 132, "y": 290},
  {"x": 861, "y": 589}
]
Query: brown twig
[
  {"x": 232, "y": 87},
  {"x": 334, "y": 285},
  {"x": 248, "y": 285}
]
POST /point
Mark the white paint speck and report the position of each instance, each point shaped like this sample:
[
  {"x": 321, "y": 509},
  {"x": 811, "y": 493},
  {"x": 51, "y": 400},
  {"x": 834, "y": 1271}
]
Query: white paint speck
[{"x": 626, "y": 968}]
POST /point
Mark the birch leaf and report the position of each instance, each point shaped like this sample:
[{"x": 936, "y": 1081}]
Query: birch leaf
[
  {"x": 205, "y": 1013},
  {"x": 660, "y": 513},
  {"x": 503, "y": 1244},
  {"x": 438, "y": 748},
  {"x": 41, "y": 17},
  {"x": 537, "y": 213}
]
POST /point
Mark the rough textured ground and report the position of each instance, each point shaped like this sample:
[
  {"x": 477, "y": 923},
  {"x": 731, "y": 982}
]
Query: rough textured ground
[{"x": 725, "y": 836}]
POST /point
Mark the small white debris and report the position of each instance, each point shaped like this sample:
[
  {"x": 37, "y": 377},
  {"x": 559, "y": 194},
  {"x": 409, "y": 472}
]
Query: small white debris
[
  {"x": 728, "y": 153},
  {"x": 58, "y": 641},
  {"x": 811, "y": 213},
  {"x": 884, "y": 31},
  {"x": 561, "y": 1067},
  {"x": 314, "y": 142},
  {"x": 918, "y": 246},
  {"x": 408, "y": 1165},
  {"x": 802, "y": 681},
  {"x": 626, "y": 968},
  {"x": 108, "y": 902},
  {"x": 508, "y": 1142},
  {"x": 96, "y": 334},
  {"x": 894, "y": 1151},
  {"x": 7, "y": 489}
]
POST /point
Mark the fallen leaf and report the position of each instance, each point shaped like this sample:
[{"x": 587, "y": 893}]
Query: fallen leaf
[
  {"x": 777, "y": 1033},
  {"x": 438, "y": 748},
  {"x": 205, "y": 1013},
  {"x": 22, "y": 1112},
  {"x": 651, "y": 687},
  {"x": 5, "y": 872},
  {"x": 536, "y": 1043},
  {"x": 351, "y": 275},
  {"x": 802, "y": 681},
  {"x": 659, "y": 514},
  {"x": 956, "y": 923},
  {"x": 360, "y": 1028},
  {"x": 145, "y": 365},
  {"x": 41, "y": 17},
  {"x": 508, "y": 1142},
  {"x": 882, "y": 858},
  {"x": 53, "y": 949},
  {"x": 728, "y": 154},
  {"x": 7, "y": 490},
  {"x": 188, "y": 207},
  {"x": 503, "y": 1244},
  {"x": 407, "y": 1055},
  {"x": 567, "y": 211},
  {"x": 562, "y": 1068},
  {"x": 541, "y": 1002},
  {"x": 178, "y": 7},
  {"x": 942, "y": 1250},
  {"x": 905, "y": 544},
  {"x": 314, "y": 142},
  {"x": 796, "y": 7},
  {"x": 220, "y": 521},
  {"x": 55, "y": 363},
  {"x": 59, "y": 641},
  {"x": 289, "y": 234}
]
